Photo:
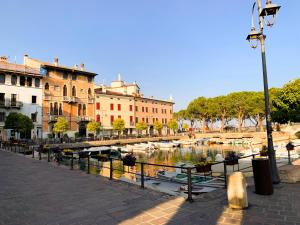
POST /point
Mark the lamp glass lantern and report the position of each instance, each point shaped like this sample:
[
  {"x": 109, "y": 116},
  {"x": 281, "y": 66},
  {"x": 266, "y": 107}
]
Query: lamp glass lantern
[{"x": 270, "y": 12}]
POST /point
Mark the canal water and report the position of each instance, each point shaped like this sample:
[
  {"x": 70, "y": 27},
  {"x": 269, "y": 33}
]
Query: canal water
[{"x": 190, "y": 155}]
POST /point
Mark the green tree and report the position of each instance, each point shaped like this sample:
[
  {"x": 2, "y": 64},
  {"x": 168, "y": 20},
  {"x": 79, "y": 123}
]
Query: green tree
[
  {"x": 157, "y": 125},
  {"x": 141, "y": 126},
  {"x": 287, "y": 103},
  {"x": 119, "y": 125},
  {"x": 19, "y": 123},
  {"x": 180, "y": 116},
  {"x": 173, "y": 125},
  {"x": 93, "y": 127},
  {"x": 61, "y": 125}
]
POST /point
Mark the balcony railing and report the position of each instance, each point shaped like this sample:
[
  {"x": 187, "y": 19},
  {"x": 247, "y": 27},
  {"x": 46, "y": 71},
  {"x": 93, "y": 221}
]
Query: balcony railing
[
  {"x": 52, "y": 118},
  {"x": 47, "y": 97},
  {"x": 83, "y": 119},
  {"x": 8, "y": 103},
  {"x": 91, "y": 100},
  {"x": 69, "y": 99}
]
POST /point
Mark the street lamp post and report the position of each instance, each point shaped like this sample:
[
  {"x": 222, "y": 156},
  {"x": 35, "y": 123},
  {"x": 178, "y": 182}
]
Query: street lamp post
[{"x": 270, "y": 10}]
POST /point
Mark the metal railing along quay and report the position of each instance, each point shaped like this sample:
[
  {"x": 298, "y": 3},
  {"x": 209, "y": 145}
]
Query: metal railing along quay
[{"x": 72, "y": 158}]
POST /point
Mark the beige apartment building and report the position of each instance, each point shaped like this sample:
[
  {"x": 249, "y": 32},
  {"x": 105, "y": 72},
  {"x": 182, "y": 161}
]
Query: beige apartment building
[
  {"x": 112, "y": 105},
  {"x": 121, "y": 100},
  {"x": 67, "y": 92}
]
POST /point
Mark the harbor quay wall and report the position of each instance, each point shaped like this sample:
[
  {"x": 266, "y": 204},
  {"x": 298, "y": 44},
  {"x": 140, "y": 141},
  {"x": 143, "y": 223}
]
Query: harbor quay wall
[
  {"x": 257, "y": 136},
  {"x": 89, "y": 144}
]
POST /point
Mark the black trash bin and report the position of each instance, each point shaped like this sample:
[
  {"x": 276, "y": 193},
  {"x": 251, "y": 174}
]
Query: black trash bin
[{"x": 262, "y": 176}]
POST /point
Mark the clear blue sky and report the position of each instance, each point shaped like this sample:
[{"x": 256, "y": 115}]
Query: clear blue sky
[{"x": 186, "y": 48}]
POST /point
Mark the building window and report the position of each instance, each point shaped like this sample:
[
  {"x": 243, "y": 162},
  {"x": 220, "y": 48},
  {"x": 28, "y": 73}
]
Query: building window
[
  {"x": 46, "y": 86},
  {"x": 153, "y": 120},
  {"x": 156, "y": 110},
  {"x": 111, "y": 106},
  {"x": 146, "y": 109},
  {"x": 90, "y": 92},
  {"x": 65, "y": 76},
  {"x": 65, "y": 91},
  {"x": 147, "y": 121},
  {"x": 2, "y": 116},
  {"x": 119, "y": 107},
  {"x": 136, "y": 108},
  {"x": 55, "y": 108},
  {"x": 136, "y": 119},
  {"x": 56, "y": 88},
  {"x": 13, "y": 80},
  {"x": 152, "y": 110},
  {"x": 84, "y": 109},
  {"x": 98, "y": 118},
  {"x": 33, "y": 99},
  {"x": 119, "y": 117},
  {"x": 29, "y": 81},
  {"x": 73, "y": 91},
  {"x": 130, "y": 108},
  {"x": 79, "y": 109},
  {"x": 143, "y": 119},
  {"x": 22, "y": 81},
  {"x": 112, "y": 119},
  {"x": 98, "y": 105},
  {"x": 170, "y": 111},
  {"x": 2, "y": 99},
  {"x": 2, "y": 78},
  {"x": 74, "y": 77},
  {"x": 131, "y": 119},
  {"x": 33, "y": 117},
  {"x": 51, "y": 109},
  {"x": 143, "y": 109},
  {"x": 37, "y": 82},
  {"x": 13, "y": 101}
]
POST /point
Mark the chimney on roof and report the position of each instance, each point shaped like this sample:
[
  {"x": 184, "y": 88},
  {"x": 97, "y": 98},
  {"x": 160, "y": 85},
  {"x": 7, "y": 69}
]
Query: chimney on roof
[
  {"x": 82, "y": 66},
  {"x": 75, "y": 66},
  {"x": 55, "y": 61},
  {"x": 4, "y": 59},
  {"x": 25, "y": 59}
]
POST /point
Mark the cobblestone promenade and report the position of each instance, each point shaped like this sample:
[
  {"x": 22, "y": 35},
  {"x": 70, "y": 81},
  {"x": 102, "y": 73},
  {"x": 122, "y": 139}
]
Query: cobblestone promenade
[{"x": 39, "y": 193}]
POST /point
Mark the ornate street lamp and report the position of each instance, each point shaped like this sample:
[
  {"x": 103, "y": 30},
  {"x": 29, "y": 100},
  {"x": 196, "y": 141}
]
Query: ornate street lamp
[{"x": 270, "y": 10}]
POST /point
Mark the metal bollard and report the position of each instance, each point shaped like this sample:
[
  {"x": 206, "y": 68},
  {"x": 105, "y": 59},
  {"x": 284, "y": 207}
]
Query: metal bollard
[
  {"x": 225, "y": 173},
  {"x": 48, "y": 154},
  {"x": 72, "y": 161},
  {"x": 189, "y": 173},
  {"x": 142, "y": 176},
  {"x": 110, "y": 169},
  {"x": 32, "y": 151},
  {"x": 40, "y": 153},
  {"x": 88, "y": 164},
  {"x": 289, "y": 156}
]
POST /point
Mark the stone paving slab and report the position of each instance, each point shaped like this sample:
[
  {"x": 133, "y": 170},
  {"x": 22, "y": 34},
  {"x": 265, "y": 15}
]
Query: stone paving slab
[{"x": 34, "y": 192}]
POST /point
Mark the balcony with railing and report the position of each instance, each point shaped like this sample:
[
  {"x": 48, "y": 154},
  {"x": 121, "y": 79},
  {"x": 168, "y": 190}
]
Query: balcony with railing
[
  {"x": 72, "y": 99},
  {"x": 90, "y": 100},
  {"x": 53, "y": 118},
  {"x": 8, "y": 103},
  {"x": 47, "y": 97},
  {"x": 83, "y": 119}
]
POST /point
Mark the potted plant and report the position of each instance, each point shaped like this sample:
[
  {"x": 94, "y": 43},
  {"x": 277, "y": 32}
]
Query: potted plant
[
  {"x": 203, "y": 167},
  {"x": 102, "y": 157},
  {"x": 129, "y": 160},
  {"x": 263, "y": 151},
  {"x": 68, "y": 151},
  {"x": 231, "y": 158}
]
